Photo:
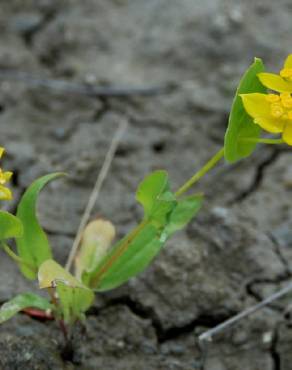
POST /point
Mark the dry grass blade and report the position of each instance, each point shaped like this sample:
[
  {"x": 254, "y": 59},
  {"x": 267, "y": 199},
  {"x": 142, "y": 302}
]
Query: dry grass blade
[
  {"x": 208, "y": 335},
  {"x": 96, "y": 190}
]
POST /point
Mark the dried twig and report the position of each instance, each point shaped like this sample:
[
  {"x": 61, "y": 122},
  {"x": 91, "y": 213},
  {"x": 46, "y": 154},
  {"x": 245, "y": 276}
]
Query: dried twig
[
  {"x": 207, "y": 336},
  {"x": 82, "y": 88},
  {"x": 96, "y": 190}
]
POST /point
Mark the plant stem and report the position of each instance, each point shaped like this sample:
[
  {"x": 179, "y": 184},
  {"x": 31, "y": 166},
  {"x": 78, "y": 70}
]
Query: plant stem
[
  {"x": 208, "y": 166},
  {"x": 263, "y": 141},
  {"x": 55, "y": 302},
  {"x": 34, "y": 312},
  {"x": 16, "y": 258}
]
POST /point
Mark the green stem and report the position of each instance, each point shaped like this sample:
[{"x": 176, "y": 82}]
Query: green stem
[
  {"x": 16, "y": 258},
  {"x": 262, "y": 141},
  {"x": 208, "y": 166}
]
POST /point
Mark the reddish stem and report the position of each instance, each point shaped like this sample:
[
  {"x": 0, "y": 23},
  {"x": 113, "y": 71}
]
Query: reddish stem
[
  {"x": 120, "y": 250},
  {"x": 38, "y": 314}
]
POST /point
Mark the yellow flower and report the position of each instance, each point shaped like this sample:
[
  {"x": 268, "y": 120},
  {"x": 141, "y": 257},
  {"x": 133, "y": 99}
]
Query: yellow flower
[
  {"x": 5, "y": 193},
  {"x": 272, "y": 112},
  {"x": 281, "y": 82}
]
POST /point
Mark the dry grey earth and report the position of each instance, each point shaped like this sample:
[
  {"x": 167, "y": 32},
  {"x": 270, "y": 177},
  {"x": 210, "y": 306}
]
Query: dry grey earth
[{"x": 236, "y": 252}]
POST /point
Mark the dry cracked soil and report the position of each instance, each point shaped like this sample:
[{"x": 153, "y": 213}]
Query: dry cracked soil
[{"x": 189, "y": 54}]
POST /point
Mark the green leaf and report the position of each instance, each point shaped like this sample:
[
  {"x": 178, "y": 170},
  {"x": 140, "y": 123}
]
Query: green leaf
[
  {"x": 185, "y": 210},
  {"x": 74, "y": 301},
  {"x": 21, "y": 302},
  {"x": 163, "y": 207},
  {"x": 153, "y": 186},
  {"x": 135, "y": 258},
  {"x": 10, "y": 226},
  {"x": 156, "y": 198},
  {"x": 240, "y": 124},
  {"x": 74, "y": 297},
  {"x": 33, "y": 247}
]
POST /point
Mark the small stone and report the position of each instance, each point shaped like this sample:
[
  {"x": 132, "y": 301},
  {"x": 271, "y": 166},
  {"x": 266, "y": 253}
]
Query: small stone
[
  {"x": 59, "y": 133},
  {"x": 27, "y": 356},
  {"x": 90, "y": 79},
  {"x": 121, "y": 344},
  {"x": 268, "y": 337},
  {"x": 220, "y": 212}
]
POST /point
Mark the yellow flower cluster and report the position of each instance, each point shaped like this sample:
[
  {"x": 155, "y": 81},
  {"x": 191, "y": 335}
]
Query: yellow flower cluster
[
  {"x": 5, "y": 193},
  {"x": 273, "y": 112}
]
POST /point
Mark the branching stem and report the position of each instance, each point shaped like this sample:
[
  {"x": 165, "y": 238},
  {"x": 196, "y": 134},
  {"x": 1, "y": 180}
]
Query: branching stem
[{"x": 198, "y": 175}]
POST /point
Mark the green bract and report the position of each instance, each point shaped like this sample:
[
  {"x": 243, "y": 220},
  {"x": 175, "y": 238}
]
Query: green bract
[
  {"x": 10, "y": 226},
  {"x": 33, "y": 246},
  {"x": 240, "y": 124}
]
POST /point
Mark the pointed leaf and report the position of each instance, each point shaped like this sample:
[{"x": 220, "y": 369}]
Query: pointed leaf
[
  {"x": 126, "y": 259},
  {"x": 150, "y": 189},
  {"x": 156, "y": 198},
  {"x": 33, "y": 247},
  {"x": 21, "y": 302},
  {"x": 240, "y": 124},
  {"x": 164, "y": 205},
  {"x": 185, "y": 210},
  {"x": 10, "y": 226}
]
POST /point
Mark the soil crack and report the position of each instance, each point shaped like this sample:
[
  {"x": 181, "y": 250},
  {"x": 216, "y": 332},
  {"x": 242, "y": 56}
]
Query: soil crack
[
  {"x": 258, "y": 177},
  {"x": 47, "y": 17},
  {"x": 206, "y": 320},
  {"x": 276, "y": 358},
  {"x": 277, "y": 249},
  {"x": 250, "y": 289}
]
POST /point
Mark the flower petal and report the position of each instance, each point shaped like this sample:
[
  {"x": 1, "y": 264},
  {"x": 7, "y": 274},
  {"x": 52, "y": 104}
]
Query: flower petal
[
  {"x": 288, "y": 61},
  {"x": 256, "y": 104},
  {"x": 5, "y": 193},
  {"x": 7, "y": 175},
  {"x": 287, "y": 134},
  {"x": 259, "y": 108},
  {"x": 275, "y": 82},
  {"x": 270, "y": 124}
]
